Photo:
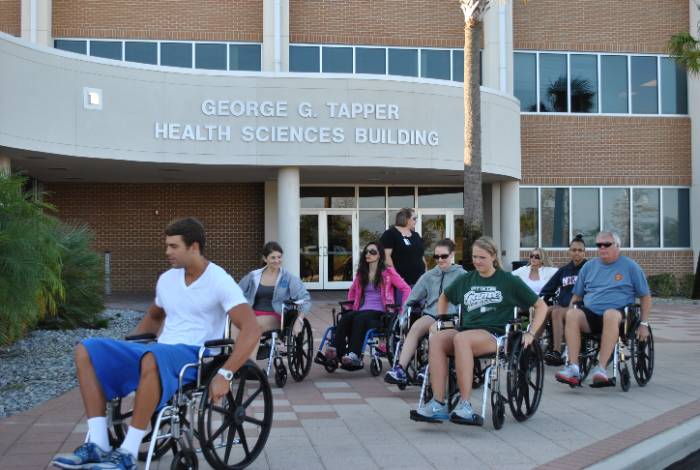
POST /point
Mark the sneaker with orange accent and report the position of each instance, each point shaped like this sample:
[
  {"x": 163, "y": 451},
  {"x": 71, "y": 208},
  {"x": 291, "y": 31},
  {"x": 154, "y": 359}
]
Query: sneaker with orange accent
[
  {"x": 599, "y": 376},
  {"x": 569, "y": 375}
]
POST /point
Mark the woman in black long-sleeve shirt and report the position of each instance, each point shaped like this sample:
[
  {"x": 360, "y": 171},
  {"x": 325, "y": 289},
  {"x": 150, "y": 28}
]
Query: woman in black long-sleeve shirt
[{"x": 560, "y": 288}]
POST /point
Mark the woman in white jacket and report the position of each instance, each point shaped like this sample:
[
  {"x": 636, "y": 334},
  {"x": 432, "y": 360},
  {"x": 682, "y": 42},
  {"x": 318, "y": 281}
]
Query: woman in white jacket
[{"x": 537, "y": 272}]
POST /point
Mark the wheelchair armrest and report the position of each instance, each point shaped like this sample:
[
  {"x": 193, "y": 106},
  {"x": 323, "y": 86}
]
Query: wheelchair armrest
[
  {"x": 413, "y": 303},
  {"x": 346, "y": 305},
  {"x": 391, "y": 308},
  {"x": 293, "y": 303},
  {"x": 144, "y": 337},
  {"x": 217, "y": 343},
  {"x": 446, "y": 317}
]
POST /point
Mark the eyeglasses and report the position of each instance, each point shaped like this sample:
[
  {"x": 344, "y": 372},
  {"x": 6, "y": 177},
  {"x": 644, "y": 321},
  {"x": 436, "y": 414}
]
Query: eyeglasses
[
  {"x": 535, "y": 256},
  {"x": 372, "y": 252},
  {"x": 414, "y": 218},
  {"x": 606, "y": 244},
  {"x": 437, "y": 257}
]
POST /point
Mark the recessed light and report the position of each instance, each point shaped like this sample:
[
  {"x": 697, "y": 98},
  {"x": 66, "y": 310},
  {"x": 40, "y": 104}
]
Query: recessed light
[{"x": 92, "y": 98}]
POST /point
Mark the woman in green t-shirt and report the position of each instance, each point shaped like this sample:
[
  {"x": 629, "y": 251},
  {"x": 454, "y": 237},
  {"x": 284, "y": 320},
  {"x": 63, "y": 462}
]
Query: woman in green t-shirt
[{"x": 487, "y": 296}]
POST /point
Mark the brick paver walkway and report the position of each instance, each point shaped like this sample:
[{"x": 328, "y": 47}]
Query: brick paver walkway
[{"x": 352, "y": 420}]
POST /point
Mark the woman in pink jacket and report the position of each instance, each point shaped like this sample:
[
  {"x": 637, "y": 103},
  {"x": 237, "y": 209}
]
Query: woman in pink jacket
[{"x": 371, "y": 290}]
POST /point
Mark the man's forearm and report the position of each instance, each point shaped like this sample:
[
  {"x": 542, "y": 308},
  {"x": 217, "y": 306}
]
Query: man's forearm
[
  {"x": 247, "y": 339},
  {"x": 645, "y": 303},
  {"x": 150, "y": 323}
]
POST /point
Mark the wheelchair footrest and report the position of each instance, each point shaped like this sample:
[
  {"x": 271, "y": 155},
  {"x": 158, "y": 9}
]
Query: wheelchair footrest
[
  {"x": 477, "y": 420},
  {"x": 321, "y": 358},
  {"x": 611, "y": 382},
  {"x": 415, "y": 416},
  {"x": 350, "y": 367}
]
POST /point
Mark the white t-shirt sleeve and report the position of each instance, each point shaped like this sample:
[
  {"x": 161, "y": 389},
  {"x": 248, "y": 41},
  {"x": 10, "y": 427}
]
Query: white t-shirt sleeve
[
  {"x": 230, "y": 294},
  {"x": 159, "y": 287}
]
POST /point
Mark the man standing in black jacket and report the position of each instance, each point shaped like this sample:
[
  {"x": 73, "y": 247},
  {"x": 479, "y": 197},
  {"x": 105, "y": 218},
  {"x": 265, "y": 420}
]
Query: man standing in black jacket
[{"x": 560, "y": 288}]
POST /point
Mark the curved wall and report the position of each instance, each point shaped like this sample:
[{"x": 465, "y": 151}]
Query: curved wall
[{"x": 158, "y": 114}]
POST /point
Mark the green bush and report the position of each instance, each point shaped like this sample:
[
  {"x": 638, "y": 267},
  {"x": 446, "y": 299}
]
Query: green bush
[
  {"x": 81, "y": 275},
  {"x": 663, "y": 285},
  {"x": 30, "y": 260},
  {"x": 685, "y": 285}
]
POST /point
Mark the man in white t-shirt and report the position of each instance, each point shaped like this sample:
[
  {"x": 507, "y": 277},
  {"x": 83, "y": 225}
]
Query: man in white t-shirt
[{"x": 192, "y": 302}]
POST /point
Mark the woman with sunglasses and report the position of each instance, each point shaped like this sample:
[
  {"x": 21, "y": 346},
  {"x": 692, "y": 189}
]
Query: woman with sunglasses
[
  {"x": 428, "y": 289},
  {"x": 371, "y": 290},
  {"x": 537, "y": 272},
  {"x": 487, "y": 297}
]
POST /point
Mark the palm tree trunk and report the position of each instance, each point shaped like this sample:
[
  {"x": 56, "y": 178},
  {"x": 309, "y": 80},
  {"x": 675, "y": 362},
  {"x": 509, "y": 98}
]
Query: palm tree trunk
[{"x": 473, "y": 205}]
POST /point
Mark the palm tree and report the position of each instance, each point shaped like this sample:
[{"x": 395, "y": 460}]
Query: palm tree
[
  {"x": 686, "y": 50},
  {"x": 474, "y": 11}
]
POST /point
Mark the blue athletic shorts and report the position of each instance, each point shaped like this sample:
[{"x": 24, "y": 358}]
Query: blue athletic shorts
[{"x": 117, "y": 364}]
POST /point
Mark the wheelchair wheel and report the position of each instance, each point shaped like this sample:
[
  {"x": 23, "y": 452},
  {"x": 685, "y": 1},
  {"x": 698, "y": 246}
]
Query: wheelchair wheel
[
  {"x": 185, "y": 460},
  {"x": 525, "y": 380},
  {"x": 375, "y": 366},
  {"x": 498, "y": 410},
  {"x": 624, "y": 376},
  {"x": 299, "y": 351},
  {"x": 233, "y": 432},
  {"x": 587, "y": 356},
  {"x": 392, "y": 339},
  {"x": 642, "y": 353},
  {"x": 121, "y": 414}
]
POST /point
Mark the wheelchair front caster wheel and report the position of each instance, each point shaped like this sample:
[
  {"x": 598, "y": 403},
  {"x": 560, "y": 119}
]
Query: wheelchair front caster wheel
[
  {"x": 498, "y": 410},
  {"x": 281, "y": 377},
  {"x": 624, "y": 376},
  {"x": 375, "y": 367},
  {"x": 184, "y": 460}
]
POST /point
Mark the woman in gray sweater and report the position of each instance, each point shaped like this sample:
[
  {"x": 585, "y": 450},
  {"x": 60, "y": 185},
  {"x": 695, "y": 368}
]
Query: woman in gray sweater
[{"x": 427, "y": 290}]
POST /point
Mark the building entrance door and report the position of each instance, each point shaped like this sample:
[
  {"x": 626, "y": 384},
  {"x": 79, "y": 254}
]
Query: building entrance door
[
  {"x": 327, "y": 260},
  {"x": 434, "y": 225}
]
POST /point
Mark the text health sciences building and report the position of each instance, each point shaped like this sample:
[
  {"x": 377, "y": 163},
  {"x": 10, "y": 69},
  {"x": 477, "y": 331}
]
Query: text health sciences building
[{"x": 313, "y": 121}]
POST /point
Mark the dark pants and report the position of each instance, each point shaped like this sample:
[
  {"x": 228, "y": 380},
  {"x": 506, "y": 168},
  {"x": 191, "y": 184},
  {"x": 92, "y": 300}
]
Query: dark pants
[{"x": 352, "y": 328}]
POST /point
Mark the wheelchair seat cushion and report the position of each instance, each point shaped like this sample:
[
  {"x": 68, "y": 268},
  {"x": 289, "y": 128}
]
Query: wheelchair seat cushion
[{"x": 117, "y": 365}]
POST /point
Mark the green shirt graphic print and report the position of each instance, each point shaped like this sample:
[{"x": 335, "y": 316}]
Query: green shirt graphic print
[{"x": 488, "y": 302}]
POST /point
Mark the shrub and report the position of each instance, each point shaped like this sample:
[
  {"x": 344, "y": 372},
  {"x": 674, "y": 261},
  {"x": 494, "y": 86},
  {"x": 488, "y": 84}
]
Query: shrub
[
  {"x": 663, "y": 285},
  {"x": 81, "y": 275},
  {"x": 30, "y": 261},
  {"x": 685, "y": 285}
]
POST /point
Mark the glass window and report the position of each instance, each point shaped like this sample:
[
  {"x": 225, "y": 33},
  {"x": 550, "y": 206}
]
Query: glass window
[
  {"x": 528, "y": 217},
  {"x": 525, "y": 77},
  {"x": 433, "y": 229},
  {"x": 373, "y": 197},
  {"x": 370, "y": 60},
  {"x": 372, "y": 225},
  {"x": 244, "y": 57},
  {"x": 332, "y": 197},
  {"x": 441, "y": 198},
  {"x": 403, "y": 62},
  {"x": 176, "y": 54},
  {"x": 585, "y": 213},
  {"x": 210, "y": 56},
  {"x": 616, "y": 212},
  {"x": 304, "y": 59},
  {"x": 553, "y": 83},
  {"x": 337, "y": 59},
  {"x": 584, "y": 83},
  {"x": 613, "y": 83},
  {"x": 458, "y": 65},
  {"x": 674, "y": 87},
  {"x": 79, "y": 47},
  {"x": 645, "y": 98},
  {"x": 106, "y": 49},
  {"x": 400, "y": 197},
  {"x": 646, "y": 217},
  {"x": 435, "y": 64},
  {"x": 309, "y": 259},
  {"x": 142, "y": 52},
  {"x": 555, "y": 217},
  {"x": 676, "y": 217}
]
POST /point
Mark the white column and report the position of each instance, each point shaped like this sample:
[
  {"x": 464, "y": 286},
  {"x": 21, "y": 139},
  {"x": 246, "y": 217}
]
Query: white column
[
  {"x": 36, "y": 22},
  {"x": 497, "y": 59},
  {"x": 288, "y": 203},
  {"x": 271, "y": 210},
  {"x": 694, "y": 113},
  {"x": 496, "y": 213},
  {"x": 275, "y": 36},
  {"x": 510, "y": 222},
  {"x": 5, "y": 165}
]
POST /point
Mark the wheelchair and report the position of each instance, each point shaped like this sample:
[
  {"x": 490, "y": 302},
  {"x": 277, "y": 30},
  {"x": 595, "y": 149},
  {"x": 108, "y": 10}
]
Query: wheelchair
[
  {"x": 628, "y": 347},
  {"x": 375, "y": 341},
  {"x": 230, "y": 434},
  {"x": 398, "y": 331},
  {"x": 523, "y": 369},
  {"x": 298, "y": 348}
]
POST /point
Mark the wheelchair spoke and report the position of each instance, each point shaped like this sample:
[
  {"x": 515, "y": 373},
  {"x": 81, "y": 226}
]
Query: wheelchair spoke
[
  {"x": 225, "y": 425},
  {"x": 244, "y": 440},
  {"x": 250, "y": 419},
  {"x": 252, "y": 397},
  {"x": 229, "y": 442},
  {"x": 241, "y": 389}
]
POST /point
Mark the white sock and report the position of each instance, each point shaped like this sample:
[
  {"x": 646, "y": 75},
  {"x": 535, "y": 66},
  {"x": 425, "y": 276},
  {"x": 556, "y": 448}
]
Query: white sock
[
  {"x": 97, "y": 427},
  {"x": 132, "y": 441}
]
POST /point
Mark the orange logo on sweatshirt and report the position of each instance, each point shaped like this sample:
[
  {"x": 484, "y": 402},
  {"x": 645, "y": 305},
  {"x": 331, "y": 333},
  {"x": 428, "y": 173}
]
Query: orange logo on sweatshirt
[{"x": 618, "y": 277}]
